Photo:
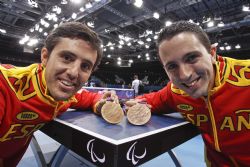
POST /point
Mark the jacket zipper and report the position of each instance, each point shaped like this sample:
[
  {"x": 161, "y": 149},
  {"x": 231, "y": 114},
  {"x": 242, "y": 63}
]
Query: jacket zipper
[{"x": 210, "y": 110}]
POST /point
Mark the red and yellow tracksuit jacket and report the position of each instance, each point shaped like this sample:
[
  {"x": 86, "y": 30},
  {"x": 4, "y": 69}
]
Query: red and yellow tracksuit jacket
[
  {"x": 223, "y": 117},
  {"x": 25, "y": 107}
]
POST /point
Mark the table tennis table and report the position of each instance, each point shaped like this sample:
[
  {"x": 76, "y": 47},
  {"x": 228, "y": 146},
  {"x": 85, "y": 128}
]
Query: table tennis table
[{"x": 120, "y": 145}]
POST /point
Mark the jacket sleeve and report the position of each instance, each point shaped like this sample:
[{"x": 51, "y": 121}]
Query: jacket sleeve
[
  {"x": 86, "y": 100},
  {"x": 2, "y": 105},
  {"x": 160, "y": 101}
]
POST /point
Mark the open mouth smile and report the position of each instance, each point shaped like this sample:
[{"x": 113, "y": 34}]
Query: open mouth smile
[{"x": 191, "y": 84}]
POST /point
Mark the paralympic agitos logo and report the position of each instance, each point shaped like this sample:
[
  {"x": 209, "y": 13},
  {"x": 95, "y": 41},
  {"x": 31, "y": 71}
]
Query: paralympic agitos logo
[
  {"x": 132, "y": 156},
  {"x": 94, "y": 157}
]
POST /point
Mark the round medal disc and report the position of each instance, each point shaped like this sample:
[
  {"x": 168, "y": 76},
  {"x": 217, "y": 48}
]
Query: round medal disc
[
  {"x": 139, "y": 114},
  {"x": 112, "y": 112}
]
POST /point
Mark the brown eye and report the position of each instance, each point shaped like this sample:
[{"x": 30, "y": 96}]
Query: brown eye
[
  {"x": 171, "y": 67},
  {"x": 191, "y": 58},
  {"x": 86, "y": 67},
  {"x": 67, "y": 57}
]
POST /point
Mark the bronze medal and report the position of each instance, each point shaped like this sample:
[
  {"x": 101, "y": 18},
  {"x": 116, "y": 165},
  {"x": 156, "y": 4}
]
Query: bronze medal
[
  {"x": 139, "y": 114},
  {"x": 112, "y": 112}
]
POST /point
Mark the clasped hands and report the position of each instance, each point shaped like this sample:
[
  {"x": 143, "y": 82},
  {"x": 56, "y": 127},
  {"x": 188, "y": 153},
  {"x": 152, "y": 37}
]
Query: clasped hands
[{"x": 112, "y": 110}]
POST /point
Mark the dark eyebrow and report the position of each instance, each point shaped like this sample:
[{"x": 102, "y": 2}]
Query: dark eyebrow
[
  {"x": 186, "y": 55},
  {"x": 191, "y": 53},
  {"x": 65, "y": 52}
]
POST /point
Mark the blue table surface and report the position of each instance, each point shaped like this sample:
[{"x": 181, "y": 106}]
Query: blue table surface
[{"x": 92, "y": 122}]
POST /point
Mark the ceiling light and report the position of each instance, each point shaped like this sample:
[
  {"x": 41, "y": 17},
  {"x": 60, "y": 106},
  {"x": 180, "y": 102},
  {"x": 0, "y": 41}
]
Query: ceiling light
[
  {"x": 237, "y": 46},
  {"x": 139, "y": 56},
  {"x": 91, "y": 24},
  {"x": 228, "y": 47},
  {"x": 40, "y": 30},
  {"x": 50, "y": 16},
  {"x": 46, "y": 25},
  {"x": 64, "y": 2},
  {"x": 168, "y": 23},
  {"x": 222, "y": 48},
  {"x": 140, "y": 42},
  {"x": 33, "y": 3},
  {"x": 156, "y": 15},
  {"x": 81, "y": 9},
  {"x": 3, "y": 31},
  {"x": 221, "y": 24},
  {"x": 24, "y": 39},
  {"x": 138, "y": 3},
  {"x": 146, "y": 46},
  {"x": 210, "y": 24},
  {"x": 127, "y": 38},
  {"x": 191, "y": 21},
  {"x": 75, "y": 1},
  {"x": 109, "y": 43},
  {"x": 245, "y": 8},
  {"x": 74, "y": 15},
  {"x": 56, "y": 9},
  {"x": 32, "y": 42},
  {"x": 130, "y": 61},
  {"x": 88, "y": 5},
  {"x": 109, "y": 56},
  {"x": 37, "y": 27},
  {"x": 121, "y": 42}
]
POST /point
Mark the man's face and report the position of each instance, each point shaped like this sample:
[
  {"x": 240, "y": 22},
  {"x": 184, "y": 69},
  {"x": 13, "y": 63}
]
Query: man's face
[
  {"x": 68, "y": 67},
  {"x": 188, "y": 64}
]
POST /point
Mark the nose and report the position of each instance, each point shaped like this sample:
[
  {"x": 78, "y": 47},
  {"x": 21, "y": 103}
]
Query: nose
[
  {"x": 73, "y": 71},
  {"x": 185, "y": 72}
]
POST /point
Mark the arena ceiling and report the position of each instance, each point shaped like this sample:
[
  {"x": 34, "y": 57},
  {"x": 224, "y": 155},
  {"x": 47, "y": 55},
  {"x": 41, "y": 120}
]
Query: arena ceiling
[{"x": 128, "y": 31}]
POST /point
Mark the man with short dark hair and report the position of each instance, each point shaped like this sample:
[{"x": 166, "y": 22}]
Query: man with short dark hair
[
  {"x": 31, "y": 96},
  {"x": 202, "y": 88}
]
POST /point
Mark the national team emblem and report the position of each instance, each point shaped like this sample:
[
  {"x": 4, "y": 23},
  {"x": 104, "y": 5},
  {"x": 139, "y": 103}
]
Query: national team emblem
[
  {"x": 94, "y": 157},
  {"x": 135, "y": 158},
  {"x": 185, "y": 107},
  {"x": 27, "y": 116}
]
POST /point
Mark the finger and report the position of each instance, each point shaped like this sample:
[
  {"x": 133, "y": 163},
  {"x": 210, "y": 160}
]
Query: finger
[
  {"x": 130, "y": 103},
  {"x": 106, "y": 95}
]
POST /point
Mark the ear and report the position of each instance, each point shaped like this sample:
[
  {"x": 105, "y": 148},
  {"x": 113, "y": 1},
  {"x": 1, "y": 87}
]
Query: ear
[{"x": 44, "y": 56}]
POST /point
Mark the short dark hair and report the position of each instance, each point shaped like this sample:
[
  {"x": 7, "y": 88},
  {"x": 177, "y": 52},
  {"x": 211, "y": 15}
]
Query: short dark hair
[
  {"x": 184, "y": 26},
  {"x": 75, "y": 30}
]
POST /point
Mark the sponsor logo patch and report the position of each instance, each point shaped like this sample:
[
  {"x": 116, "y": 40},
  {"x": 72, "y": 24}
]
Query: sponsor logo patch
[
  {"x": 27, "y": 116},
  {"x": 185, "y": 107}
]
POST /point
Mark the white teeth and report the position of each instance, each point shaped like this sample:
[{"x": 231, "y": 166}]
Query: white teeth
[
  {"x": 67, "y": 83},
  {"x": 192, "y": 83}
]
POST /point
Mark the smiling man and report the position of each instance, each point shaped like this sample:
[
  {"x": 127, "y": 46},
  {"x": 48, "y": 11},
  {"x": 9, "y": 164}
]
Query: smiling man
[
  {"x": 210, "y": 91},
  {"x": 31, "y": 96}
]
